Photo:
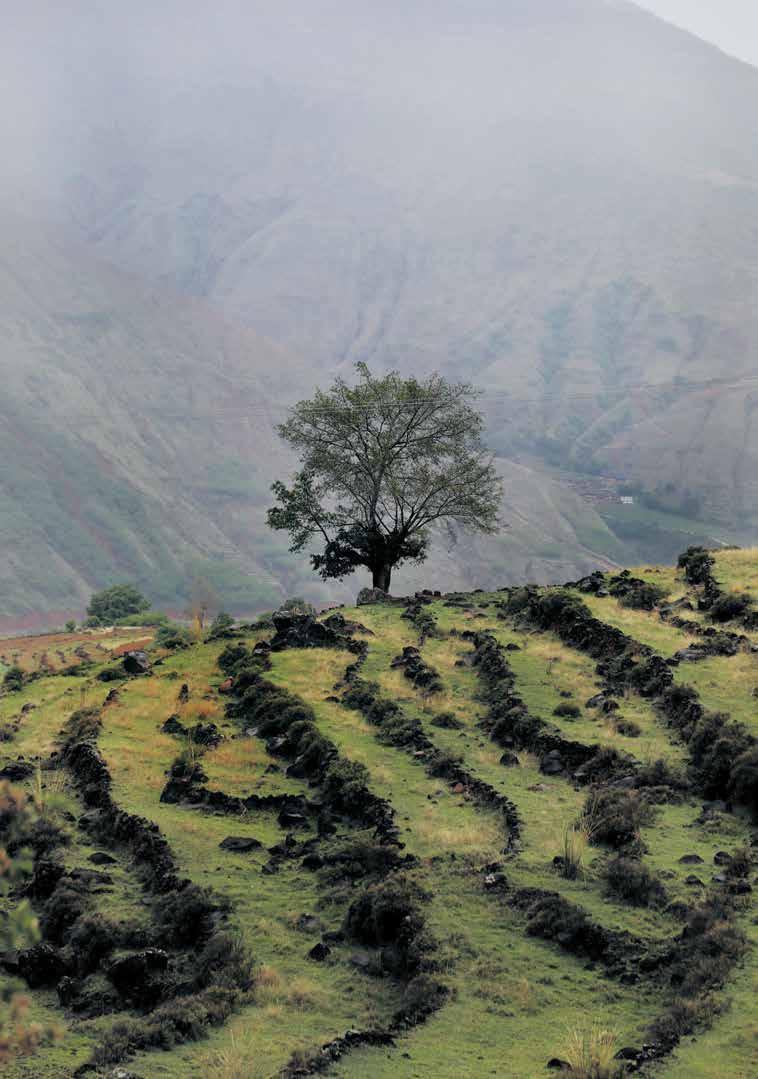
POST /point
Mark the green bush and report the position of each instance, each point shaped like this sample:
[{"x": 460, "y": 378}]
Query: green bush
[
  {"x": 643, "y": 597},
  {"x": 697, "y": 563},
  {"x": 729, "y": 606},
  {"x": 630, "y": 880},
  {"x": 13, "y": 680},
  {"x": 146, "y": 618},
  {"x": 567, "y": 711},
  {"x": 225, "y": 962},
  {"x": 119, "y": 601},
  {"x": 172, "y": 637},
  {"x": 222, "y": 627},
  {"x": 91, "y": 939},
  {"x": 186, "y": 1019},
  {"x": 187, "y": 916},
  {"x": 615, "y": 816}
]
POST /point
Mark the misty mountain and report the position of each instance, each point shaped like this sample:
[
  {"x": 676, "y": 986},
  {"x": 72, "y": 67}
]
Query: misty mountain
[
  {"x": 553, "y": 198},
  {"x": 137, "y": 440}
]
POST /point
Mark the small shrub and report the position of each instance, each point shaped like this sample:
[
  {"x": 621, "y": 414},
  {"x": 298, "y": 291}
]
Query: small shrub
[
  {"x": 743, "y": 779},
  {"x": 298, "y": 605},
  {"x": 92, "y": 938},
  {"x": 13, "y": 679},
  {"x": 630, "y": 880},
  {"x": 66, "y": 904},
  {"x": 684, "y": 1017},
  {"x": 615, "y": 816},
  {"x": 388, "y": 916},
  {"x": 567, "y": 711},
  {"x": 697, "y": 563},
  {"x": 741, "y": 863},
  {"x": 171, "y": 637},
  {"x": 232, "y": 656},
  {"x": 186, "y": 916},
  {"x": 446, "y": 721},
  {"x": 643, "y": 597},
  {"x": 225, "y": 962},
  {"x": 359, "y": 859},
  {"x": 222, "y": 627},
  {"x": 627, "y": 727},
  {"x": 729, "y": 606},
  {"x": 423, "y": 996},
  {"x": 186, "y": 1019}
]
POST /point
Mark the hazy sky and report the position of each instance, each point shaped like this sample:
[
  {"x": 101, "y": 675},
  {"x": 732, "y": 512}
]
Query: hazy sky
[{"x": 730, "y": 24}]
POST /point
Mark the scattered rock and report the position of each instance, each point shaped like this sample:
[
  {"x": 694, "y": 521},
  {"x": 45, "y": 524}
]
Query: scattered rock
[
  {"x": 41, "y": 965},
  {"x": 552, "y": 763},
  {"x": 319, "y": 952},
  {"x": 509, "y": 759},
  {"x": 101, "y": 858},
  {"x": 312, "y": 861},
  {"x": 136, "y": 663},
  {"x": 722, "y": 858},
  {"x": 17, "y": 771},
  {"x": 290, "y": 818},
  {"x": 691, "y": 859},
  {"x": 240, "y": 844}
]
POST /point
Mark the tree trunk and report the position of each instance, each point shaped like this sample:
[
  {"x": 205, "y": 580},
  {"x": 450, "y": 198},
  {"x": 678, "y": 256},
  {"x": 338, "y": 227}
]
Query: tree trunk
[{"x": 381, "y": 576}]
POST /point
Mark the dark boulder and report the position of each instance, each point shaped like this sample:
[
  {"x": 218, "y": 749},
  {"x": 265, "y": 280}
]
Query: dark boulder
[
  {"x": 319, "y": 952},
  {"x": 41, "y": 965},
  {"x": 135, "y": 975},
  {"x": 174, "y": 725},
  {"x": 17, "y": 771},
  {"x": 509, "y": 759},
  {"x": 691, "y": 859},
  {"x": 312, "y": 861},
  {"x": 290, "y": 818},
  {"x": 552, "y": 763},
  {"x": 240, "y": 844},
  {"x": 45, "y": 878},
  {"x": 136, "y": 663},
  {"x": 722, "y": 858},
  {"x": 101, "y": 858}
]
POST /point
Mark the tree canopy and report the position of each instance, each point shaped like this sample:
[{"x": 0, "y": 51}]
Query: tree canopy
[
  {"x": 118, "y": 601},
  {"x": 382, "y": 461}
]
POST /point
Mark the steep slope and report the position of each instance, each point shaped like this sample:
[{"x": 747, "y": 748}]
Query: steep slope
[
  {"x": 137, "y": 440},
  {"x": 549, "y": 196},
  {"x": 120, "y": 458}
]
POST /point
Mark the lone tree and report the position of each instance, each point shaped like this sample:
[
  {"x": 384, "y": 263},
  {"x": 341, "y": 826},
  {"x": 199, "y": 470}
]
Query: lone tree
[
  {"x": 381, "y": 462},
  {"x": 118, "y": 601}
]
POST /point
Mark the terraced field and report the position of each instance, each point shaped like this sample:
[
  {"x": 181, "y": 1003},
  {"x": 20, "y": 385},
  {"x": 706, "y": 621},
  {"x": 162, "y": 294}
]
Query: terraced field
[{"x": 452, "y": 835}]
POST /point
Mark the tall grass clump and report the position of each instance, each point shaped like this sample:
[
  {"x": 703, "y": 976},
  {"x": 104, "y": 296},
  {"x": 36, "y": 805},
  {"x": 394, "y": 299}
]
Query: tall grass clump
[{"x": 591, "y": 1054}]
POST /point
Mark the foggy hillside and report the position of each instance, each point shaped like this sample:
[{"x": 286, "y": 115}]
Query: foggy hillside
[{"x": 553, "y": 198}]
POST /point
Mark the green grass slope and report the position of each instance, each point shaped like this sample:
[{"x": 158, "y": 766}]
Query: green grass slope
[{"x": 450, "y": 780}]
